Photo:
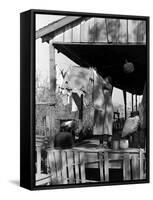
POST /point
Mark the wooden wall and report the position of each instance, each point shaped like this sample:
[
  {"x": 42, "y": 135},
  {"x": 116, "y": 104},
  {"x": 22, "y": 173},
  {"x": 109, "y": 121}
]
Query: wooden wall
[{"x": 103, "y": 30}]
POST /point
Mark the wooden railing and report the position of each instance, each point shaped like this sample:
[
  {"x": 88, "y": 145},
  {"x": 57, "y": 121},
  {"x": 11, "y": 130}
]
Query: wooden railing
[{"x": 68, "y": 166}]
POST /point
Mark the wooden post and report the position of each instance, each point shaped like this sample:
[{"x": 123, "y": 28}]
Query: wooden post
[
  {"x": 125, "y": 103},
  {"x": 52, "y": 73},
  {"x": 101, "y": 160},
  {"x": 38, "y": 149},
  {"x": 136, "y": 102},
  {"x": 132, "y": 101},
  {"x": 82, "y": 167},
  {"x": 126, "y": 167},
  {"x": 81, "y": 109},
  {"x": 135, "y": 167},
  {"x": 127, "y": 31},
  {"x": 106, "y": 166},
  {"x": 141, "y": 155}
]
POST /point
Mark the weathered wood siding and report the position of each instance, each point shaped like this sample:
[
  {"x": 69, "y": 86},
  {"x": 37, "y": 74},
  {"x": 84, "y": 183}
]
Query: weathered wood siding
[{"x": 103, "y": 30}]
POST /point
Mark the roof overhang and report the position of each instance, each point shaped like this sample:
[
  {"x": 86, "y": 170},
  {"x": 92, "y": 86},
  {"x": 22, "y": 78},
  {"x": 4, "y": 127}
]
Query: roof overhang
[
  {"x": 50, "y": 29},
  {"x": 109, "y": 60}
]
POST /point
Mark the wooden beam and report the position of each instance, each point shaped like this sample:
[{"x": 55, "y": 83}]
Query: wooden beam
[
  {"x": 52, "y": 73},
  {"x": 50, "y": 28},
  {"x": 81, "y": 110},
  {"x": 136, "y": 102},
  {"x": 52, "y": 69},
  {"x": 126, "y": 167},
  {"x": 125, "y": 103},
  {"x": 132, "y": 101},
  {"x": 132, "y": 44}
]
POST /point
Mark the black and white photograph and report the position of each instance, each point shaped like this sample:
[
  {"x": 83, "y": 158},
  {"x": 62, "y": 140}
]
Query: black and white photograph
[{"x": 91, "y": 94}]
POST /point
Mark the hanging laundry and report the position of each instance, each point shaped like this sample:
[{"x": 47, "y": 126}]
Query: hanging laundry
[
  {"x": 79, "y": 102},
  {"x": 68, "y": 97},
  {"x": 64, "y": 99},
  {"x": 77, "y": 91},
  {"x": 98, "y": 93},
  {"x": 74, "y": 106},
  {"x": 77, "y": 77}
]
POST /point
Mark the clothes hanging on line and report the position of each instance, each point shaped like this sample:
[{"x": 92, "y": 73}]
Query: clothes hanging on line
[
  {"x": 74, "y": 106},
  {"x": 79, "y": 103}
]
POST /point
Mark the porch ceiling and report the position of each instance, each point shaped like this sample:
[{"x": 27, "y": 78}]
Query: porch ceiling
[{"x": 109, "y": 60}]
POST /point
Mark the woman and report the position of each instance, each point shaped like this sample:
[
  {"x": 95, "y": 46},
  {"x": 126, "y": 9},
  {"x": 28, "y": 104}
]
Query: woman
[{"x": 103, "y": 116}]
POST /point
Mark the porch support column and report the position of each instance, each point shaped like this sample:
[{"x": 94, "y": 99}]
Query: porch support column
[
  {"x": 136, "y": 102},
  {"x": 132, "y": 101},
  {"x": 125, "y": 103},
  {"x": 52, "y": 73}
]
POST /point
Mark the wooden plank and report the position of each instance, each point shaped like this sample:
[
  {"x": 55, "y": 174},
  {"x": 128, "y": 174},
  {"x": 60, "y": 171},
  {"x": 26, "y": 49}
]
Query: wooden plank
[
  {"x": 91, "y": 159},
  {"x": 76, "y": 33},
  {"x": 70, "y": 166},
  {"x": 91, "y": 30},
  {"x": 52, "y": 68},
  {"x": 115, "y": 164},
  {"x": 132, "y": 102},
  {"x": 132, "y": 31},
  {"x": 141, "y": 32},
  {"x": 45, "y": 181},
  {"x": 125, "y": 103},
  {"x": 82, "y": 167},
  {"x": 67, "y": 34},
  {"x": 58, "y": 163},
  {"x": 106, "y": 166},
  {"x": 119, "y": 151},
  {"x": 141, "y": 160},
  {"x": 84, "y": 31},
  {"x": 137, "y": 31},
  {"x": 38, "y": 150},
  {"x": 101, "y": 167},
  {"x": 58, "y": 37},
  {"x": 52, "y": 72},
  {"x": 126, "y": 167},
  {"x": 135, "y": 167},
  {"x": 76, "y": 160},
  {"x": 64, "y": 168},
  {"x": 136, "y": 103},
  {"x": 123, "y": 31},
  {"x": 51, "y": 162},
  {"x": 112, "y": 28},
  {"x": 55, "y": 26},
  {"x": 100, "y": 31},
  {"x": 144, "y": 166}
]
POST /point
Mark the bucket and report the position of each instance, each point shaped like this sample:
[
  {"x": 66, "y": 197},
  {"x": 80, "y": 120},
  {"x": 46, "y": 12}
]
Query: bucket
[{"x": 124, "y": 144}]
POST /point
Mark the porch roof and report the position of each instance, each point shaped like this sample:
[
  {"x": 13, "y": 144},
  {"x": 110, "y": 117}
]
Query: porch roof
[{"x": 109, "y": 60}]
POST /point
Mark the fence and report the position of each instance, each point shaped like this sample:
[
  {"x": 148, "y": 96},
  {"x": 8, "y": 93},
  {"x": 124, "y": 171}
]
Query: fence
[{"x": 69, "y": 166}]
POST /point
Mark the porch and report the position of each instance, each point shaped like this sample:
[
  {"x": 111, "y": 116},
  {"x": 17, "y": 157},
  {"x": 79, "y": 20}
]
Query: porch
[{"x": 107, "y": 51}]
